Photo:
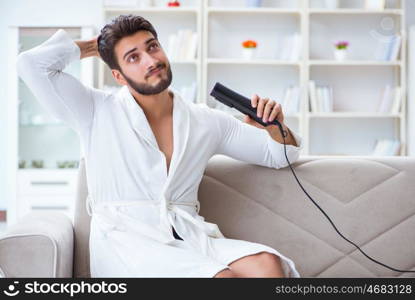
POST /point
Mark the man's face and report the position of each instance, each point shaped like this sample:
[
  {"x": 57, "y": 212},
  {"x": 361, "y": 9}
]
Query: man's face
[{"x": 144, "y": 65}]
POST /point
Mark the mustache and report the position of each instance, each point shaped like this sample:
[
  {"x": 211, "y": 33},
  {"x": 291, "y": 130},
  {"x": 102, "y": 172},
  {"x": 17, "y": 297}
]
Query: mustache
[{"x": 159, "y": 66}]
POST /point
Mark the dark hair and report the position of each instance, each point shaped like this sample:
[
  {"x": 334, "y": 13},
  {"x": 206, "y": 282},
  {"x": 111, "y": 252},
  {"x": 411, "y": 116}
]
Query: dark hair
[{"x": 119, "y": 27}]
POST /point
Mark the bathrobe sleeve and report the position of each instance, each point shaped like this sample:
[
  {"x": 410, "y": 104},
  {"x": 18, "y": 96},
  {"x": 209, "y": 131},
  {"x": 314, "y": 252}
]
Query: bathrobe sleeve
[
  {"x": 248, "y": 143},
  {"x": 63, "y": 95}
]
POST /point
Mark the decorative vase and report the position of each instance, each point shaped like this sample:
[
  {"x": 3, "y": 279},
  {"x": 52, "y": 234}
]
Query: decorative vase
[
  {"x": 331, "y": 4},
  {"x": 340, "y": 54},
  {"x": 253, "y": 3},
  {"x": 248, "y": 53}
]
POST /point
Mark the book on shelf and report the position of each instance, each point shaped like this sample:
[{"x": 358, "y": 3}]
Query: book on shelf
[
  {"x": 291, "y": 47},
  {"x": 312, "y": 93},
  {"x": 388, "y": 47},
  {"x": 375, "y": 4},
  {"x": 386, "y": 147},
  {"x": 182, "y": 45},
  {"x": 397, "y": 100},
  {"x": 321, "y": 97},
  {"x": 291, "y": 101},
  {"x": 391, "y": 100}
]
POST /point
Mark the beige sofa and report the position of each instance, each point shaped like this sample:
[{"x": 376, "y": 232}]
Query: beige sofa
[{"x": 370, "y": 199}]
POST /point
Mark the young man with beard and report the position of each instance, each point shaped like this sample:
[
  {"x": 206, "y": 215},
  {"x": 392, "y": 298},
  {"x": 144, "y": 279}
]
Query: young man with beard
[{"x": 146, "y": 150}]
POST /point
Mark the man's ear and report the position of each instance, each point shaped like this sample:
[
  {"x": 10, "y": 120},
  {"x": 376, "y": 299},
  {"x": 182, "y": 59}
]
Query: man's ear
[{"x": 118, "y": 77}]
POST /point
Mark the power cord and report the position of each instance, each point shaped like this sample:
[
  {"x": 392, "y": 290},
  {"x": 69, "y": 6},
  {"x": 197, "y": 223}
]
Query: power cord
[{"x": 284, "y": 135}]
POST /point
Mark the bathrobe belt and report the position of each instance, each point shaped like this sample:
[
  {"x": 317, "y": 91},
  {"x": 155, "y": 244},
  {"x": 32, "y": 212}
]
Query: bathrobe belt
[{"x": 101, "y": 209}]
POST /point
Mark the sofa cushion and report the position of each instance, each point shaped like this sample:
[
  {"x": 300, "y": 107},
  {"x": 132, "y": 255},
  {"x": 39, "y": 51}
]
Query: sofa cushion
[{"x": 370, "y": 200}]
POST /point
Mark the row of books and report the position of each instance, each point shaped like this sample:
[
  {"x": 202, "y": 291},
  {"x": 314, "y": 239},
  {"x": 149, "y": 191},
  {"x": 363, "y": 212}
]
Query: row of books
[
  {"x": 182, "y": 46},
  {"x": 291, "y": 101},
  {"x": 388, "y": 147},
  {"x": 388, "y": 47},
  {"x": 321, "y": 97},
  {"x": 391, "y": 100},
  {"x": 291, "y": 48}
]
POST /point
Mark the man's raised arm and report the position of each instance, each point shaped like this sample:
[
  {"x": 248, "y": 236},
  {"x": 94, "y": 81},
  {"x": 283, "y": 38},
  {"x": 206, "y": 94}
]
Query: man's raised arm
[{"x": 63, "y": 95}]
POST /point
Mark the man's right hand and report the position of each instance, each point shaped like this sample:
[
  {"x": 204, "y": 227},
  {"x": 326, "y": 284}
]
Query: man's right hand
[{"x": 88, "y": 47}]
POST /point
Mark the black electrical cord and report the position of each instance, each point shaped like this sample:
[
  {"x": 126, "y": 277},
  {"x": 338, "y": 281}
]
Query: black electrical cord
[{"x": 284, "y": 134}]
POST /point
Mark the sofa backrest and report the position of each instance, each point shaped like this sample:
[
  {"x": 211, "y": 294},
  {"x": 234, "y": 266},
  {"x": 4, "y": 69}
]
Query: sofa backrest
[
  {"x": 370, "y": 199},
  {"x": 81, "y": 226}
]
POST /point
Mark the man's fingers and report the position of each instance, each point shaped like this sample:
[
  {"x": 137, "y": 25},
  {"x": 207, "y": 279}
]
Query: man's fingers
[
  {"x": 267, "y": 110},
  {"x": 254, "y": 100},
  {"x": 274, "y": 113},
  {"x": 261, "y": 105}
]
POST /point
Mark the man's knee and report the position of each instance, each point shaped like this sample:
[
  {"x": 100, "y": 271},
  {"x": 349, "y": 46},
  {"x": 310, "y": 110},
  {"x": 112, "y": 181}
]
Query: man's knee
[
  {"x": 268, "y": 263},
  {"x": 267, "y": 259},
  {"x": 226, "y": 273}
]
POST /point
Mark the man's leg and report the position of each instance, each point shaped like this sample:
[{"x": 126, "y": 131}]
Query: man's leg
[
  {"x": 263, "y": 264},
  {"x": 226, "y": 274}
]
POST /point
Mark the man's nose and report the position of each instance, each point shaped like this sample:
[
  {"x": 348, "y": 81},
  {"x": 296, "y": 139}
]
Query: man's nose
[{"x": 148, "y": 61}]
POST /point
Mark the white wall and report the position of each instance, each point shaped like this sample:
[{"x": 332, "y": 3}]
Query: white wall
[{"x": 37, "y": 13}]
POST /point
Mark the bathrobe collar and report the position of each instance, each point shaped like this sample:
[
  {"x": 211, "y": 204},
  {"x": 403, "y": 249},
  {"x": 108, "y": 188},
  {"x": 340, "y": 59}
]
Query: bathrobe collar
[{"x": 181, "y": 127}]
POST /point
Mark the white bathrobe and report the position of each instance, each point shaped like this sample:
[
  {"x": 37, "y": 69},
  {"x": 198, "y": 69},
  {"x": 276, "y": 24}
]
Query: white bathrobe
[{"x": 133, "y": 200}]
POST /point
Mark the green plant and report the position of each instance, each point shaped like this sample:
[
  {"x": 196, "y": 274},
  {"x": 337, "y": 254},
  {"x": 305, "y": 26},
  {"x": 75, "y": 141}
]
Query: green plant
[{"x": 341, "y": 45}]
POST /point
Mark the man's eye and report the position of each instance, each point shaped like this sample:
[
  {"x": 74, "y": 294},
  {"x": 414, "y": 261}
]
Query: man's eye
[
  {"x": 132, "y": 58},
  {"x": 153, "y": 45}
]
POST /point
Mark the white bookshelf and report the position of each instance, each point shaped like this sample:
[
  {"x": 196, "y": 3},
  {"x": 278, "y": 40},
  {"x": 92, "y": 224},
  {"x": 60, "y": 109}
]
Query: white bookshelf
[{"x": 354, "y": 125}]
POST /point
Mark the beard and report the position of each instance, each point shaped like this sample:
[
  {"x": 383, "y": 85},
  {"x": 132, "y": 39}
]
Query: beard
[{"x": 146, "y": 89}]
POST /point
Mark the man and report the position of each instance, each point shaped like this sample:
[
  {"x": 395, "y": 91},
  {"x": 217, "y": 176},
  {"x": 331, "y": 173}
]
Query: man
[{"x": 146, "y": 150}]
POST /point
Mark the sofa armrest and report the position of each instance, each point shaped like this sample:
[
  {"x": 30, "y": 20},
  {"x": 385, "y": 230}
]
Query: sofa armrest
[{"x": 39, "y": 245}]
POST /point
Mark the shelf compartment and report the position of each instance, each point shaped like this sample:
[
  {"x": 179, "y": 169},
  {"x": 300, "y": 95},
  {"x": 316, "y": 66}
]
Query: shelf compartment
[
  {"x": 348, "y": 137},
  {"x": 239, "y": 78},
  {"x": 48, "y": 143},
  {"x": 355, "y": 87},
  {"x": 252, "y": 62},
  {"x": 268, "y": 32},
  {"x": 365, "y": 35}
]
